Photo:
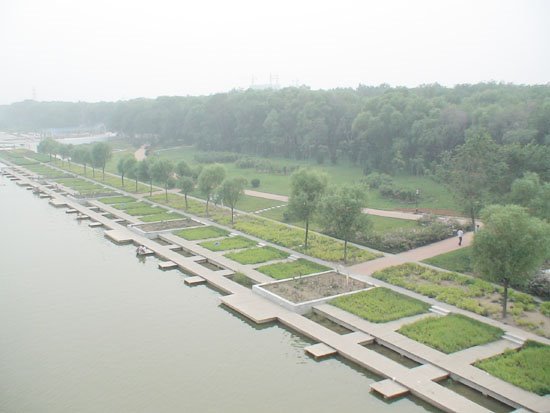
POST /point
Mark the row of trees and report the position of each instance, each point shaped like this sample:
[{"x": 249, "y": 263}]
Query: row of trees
[{"x": 380, "y": 128}]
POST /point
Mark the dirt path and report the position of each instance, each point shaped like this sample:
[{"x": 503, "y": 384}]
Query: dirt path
[{"x": 140, "y": 153}]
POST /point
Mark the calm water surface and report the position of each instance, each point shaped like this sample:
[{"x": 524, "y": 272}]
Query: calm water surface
[{"x": 86, "y": 327}]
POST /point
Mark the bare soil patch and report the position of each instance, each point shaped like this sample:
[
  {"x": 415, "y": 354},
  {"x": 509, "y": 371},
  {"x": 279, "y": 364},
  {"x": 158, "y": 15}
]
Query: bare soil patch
[{"x": 303, "y": 289}]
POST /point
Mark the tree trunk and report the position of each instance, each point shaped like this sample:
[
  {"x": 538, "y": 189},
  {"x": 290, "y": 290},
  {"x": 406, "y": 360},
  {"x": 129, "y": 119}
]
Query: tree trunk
[
  {"x": 122, "y": 176},
  {"x": 307, "y": 230},
  {"x": 136, "y": 185},
  {"x": 473, "y": 216},
  {"x": 505, "y": 299},
  {"x": 345, "y": 251},
  {"x": 93, "y": 171},
  {"x": 186, "y": 207},
  {"x": 232, "y": 222},
  {"x": 151, "y": 187},
  {"x": 207, "y": 201},
  {"x": 103, "y": 171},
  {"x": 166, "y": 191}
]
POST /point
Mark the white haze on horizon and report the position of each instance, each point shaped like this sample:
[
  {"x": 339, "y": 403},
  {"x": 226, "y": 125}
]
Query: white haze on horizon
[{"x": 93, "y": 50}]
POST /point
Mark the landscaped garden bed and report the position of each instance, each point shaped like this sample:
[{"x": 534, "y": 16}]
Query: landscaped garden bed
[
  {"x": 451, "y": 333},
  {"x": 167, "y": 225},
  {"x": 201, "y": 233},
  {"x": 469, "y": 293},
  {"x": 380, "y": 305},
  {"x": 231, "y": 243},
  {"x": 117, "y": 200},
  {"x": 291, "y": 269},
  {"x": 161, "y": 216},
  {"x": 315, "y": 287},
  {"x": 257, "y": 255},
  {"x": 527, "y": 367}
]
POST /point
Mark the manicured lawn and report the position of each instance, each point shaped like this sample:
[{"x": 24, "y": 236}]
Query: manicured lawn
[
  {"x": 458, "y": 260},
  {"x": 117, "y": 200},
  {"x": 528, "y": 367},
  {"x": 251, "y": 203},
  {"x": 385, "y": 224},
  {"x": 231, "y": 243},
  {"x": 201, "y": 233},
  {"x": 380, "y": 305},
  {"x": 451, "y": 333},
  {"x": 257, "y": 255},
  {"x": 163, "y": 216},
  {"x": 291, "y": 269}
]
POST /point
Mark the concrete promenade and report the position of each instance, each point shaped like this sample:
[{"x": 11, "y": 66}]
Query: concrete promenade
[{"x": 419, "y": 381}]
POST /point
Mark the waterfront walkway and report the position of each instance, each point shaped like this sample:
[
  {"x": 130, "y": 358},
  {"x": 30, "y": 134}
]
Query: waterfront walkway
[{"x": 420, "y": 381}]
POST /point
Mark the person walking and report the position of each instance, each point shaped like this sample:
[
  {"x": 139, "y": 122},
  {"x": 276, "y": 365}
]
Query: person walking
[{"x": 459, "y": 234}]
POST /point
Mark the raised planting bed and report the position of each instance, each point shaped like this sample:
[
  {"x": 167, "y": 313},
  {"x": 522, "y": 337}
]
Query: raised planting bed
[
  {"x": 201, "y": 233},
  {"x": 451, "y": 333},
  {"x": 527, "y": 367},
  {"x": 167, "y": 225},
  {"x": 225, "y": 244},
  {"x": 301, "y": 294},
  {"x": 257, "y": 255},
  {"x": 117, "y": 200},
  {"x": 291, "y": 269},
  {"x": 469, "y": 293},
  {"x": 380, "y": 305},
  {"x": 163, "y": 216}
]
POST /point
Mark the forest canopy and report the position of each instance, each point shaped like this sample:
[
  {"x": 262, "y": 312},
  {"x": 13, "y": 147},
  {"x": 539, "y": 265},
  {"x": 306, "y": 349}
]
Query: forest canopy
[{"x": 393, "y": 130}]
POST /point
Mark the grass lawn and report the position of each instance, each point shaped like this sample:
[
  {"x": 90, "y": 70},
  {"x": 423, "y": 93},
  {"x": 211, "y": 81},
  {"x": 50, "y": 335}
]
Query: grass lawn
[
  {"x": 251, "y": 203},
  {"x": 201, "y": 233},
  {"x": 257, "y": 255},
  {"x": 528, "y": 367},
  {"x": 231, "y": 243},
  {"x": 459, "y": 260},
  {"x": 380, "y": 305},
  {"x": 292, "y": 269},
  {"x": 451, "y": 333},
  {"x": 145, "y": 209}
]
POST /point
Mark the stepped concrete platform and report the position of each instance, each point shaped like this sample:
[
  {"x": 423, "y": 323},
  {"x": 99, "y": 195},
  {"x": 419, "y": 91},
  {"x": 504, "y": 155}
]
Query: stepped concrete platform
[
  {"x": 389, "y": 389},
  {"x": 195, "y": 280},
  {"x": 167, "y": 265},
  {"x": 81, "y": 217},
  {"x": 120, "y": 237},
  {"x": 71, "y": 211},
  {"x": 95, "y": 224},
  {"x": 56, "y": 202},
  {"x": 320, "y": 350}
]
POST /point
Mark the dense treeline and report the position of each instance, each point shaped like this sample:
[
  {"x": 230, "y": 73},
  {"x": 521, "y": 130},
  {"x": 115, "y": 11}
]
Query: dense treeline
[{"x": 380, "y": 128}]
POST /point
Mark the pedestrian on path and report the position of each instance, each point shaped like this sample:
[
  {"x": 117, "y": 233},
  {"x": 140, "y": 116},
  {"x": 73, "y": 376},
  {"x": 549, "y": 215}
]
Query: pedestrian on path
[{"x": 460, "y": 234}]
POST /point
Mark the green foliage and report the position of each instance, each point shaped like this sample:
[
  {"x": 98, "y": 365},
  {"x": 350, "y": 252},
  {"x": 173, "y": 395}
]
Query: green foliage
[
  {"x": 380, "y": 305},
  {"x": 230, "y": 191},
  {"x": 510, "y": 247},
  {"x": 459, "y": 260},
  {"x": 257, "y": 255},
  {"x": 225, "y": 244},
  {"x": 255, "y": 183},
  {"x": 292, "y": 269},
  {"x": 527, "y": 367},
  {"x": 201, "y": 233},
  {"x": 545, "y": 308},
  {"x": 451, "y": 333},
  {"x": 209, "y": 179}
]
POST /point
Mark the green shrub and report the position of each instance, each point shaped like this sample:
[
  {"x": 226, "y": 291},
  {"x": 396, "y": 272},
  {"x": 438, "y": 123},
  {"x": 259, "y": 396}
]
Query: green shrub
[
  {"x": 255, "y": 183},
  {"x": 380, "y": 305},
  {"x": 451, "y": 333},
  {"x": 545, "y": 308},
  {"x": 527, "y": 367},
  {"x": 164, "y": 216}
]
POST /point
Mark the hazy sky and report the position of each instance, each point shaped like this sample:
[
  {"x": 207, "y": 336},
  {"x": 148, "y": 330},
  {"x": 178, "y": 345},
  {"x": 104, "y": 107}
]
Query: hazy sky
[{"x": 94, "y": 50}]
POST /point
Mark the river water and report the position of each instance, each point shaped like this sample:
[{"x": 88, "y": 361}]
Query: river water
[{"x": 87, "y": 327}]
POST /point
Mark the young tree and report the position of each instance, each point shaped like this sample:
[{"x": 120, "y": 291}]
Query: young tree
[
  {"x": 48, "y": 146},
  {"x": 186, "y": 185},
  {"x": 341, "y": 212},
  {"x": 510, "y": 246},
  {"x": 122, "y": 166},
  {"x": 209, "y": 179},
  {"x": 82, "y": 155},
  {"x": 230, "y": 191},
  {"x": 183, "y": 169},
  {"x": 307, "y": 188},
  {"x": 144, "y": 173},
  {"x": 101, "y": 154},
  {"x": 162, "y": 171},
  {"x": 130, "y": 165},
  {"x": 474, "y": 172}
]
